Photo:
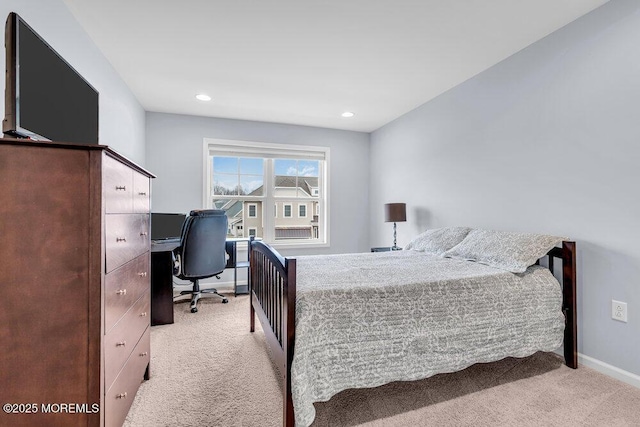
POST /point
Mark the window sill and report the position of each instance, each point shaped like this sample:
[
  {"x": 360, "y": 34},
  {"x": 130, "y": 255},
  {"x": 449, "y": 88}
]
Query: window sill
[{"x": 294, "y": 245}]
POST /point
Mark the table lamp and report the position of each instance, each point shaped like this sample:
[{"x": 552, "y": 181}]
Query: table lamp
[{"x": 395, "y": 212}]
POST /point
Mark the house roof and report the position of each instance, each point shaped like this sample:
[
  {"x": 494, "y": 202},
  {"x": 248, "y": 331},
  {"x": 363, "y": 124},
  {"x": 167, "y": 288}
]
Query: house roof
[
  {"x": 305, "y": 183},
  {"x": 233, "y": 208}
]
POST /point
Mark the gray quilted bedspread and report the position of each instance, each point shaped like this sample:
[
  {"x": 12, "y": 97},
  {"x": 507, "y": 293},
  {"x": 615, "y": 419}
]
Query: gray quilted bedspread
[{"x": 363, "y": 320}]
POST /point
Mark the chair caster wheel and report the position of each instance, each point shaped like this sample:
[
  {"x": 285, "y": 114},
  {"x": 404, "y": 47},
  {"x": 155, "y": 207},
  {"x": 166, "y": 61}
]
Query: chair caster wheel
[
  {"x": 194, "y": 310},
  {"x": 224, "y": 301}
]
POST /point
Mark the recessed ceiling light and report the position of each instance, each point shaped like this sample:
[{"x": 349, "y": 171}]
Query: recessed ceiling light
[
  {"x": 348, "y": 114},
  {"x": 203, "y": 97}
]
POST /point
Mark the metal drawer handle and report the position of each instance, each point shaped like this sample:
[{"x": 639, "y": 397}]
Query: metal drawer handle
[
  {"x": 123, "y": 188},
  {"x": 121, "y": 395},
  {"x": 121, "y": 239},
  {"x": 143, "y": 274},
  {"x": 143, "y": 354},
  {"x": 143, "y": 233},
  {"x": 121, "y": 292},
  {"x": 143, "y": 314},
  {"x": 142, "y": 193},
  {"x": 121, "y": 344}
]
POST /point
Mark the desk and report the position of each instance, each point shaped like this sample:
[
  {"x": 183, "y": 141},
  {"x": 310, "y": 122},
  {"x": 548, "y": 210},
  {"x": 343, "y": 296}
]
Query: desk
[
  {"x": 162, "y": 277},
  {"x": 162, "y": 282}
]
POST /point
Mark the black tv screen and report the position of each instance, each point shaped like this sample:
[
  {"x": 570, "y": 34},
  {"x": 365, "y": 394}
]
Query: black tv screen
[{"x": 45, "y": 98}]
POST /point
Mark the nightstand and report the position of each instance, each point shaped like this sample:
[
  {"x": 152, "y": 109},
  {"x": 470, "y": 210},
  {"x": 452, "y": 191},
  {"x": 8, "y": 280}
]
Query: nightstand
[{"x": 384, "y": 249}]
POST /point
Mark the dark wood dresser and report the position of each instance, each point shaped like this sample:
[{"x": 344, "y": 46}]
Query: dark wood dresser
[{"x": 74, "y": 283}]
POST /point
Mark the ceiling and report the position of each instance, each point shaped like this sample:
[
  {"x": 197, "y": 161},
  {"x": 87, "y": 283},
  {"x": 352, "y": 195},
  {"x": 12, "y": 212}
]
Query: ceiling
[{"x": 306, "y": 62}]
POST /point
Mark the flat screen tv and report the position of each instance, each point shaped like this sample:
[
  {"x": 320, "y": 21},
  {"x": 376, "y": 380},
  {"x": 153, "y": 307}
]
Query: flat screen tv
[{"x": 45, "y": 98}]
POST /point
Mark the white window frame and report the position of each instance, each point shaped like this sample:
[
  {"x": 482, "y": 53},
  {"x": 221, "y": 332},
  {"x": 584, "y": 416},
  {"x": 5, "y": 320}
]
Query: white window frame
[
  {"x": 284, "y": 210},
  {"x": 305, "y": 210},
  {"x": 255, "y": 206},
  {"x": 255, "y": 231},
  {"x": 225, "y": 147}
]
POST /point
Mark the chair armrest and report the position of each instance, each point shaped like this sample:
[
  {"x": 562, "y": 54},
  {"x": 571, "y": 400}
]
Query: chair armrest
[{"x": 176, "y": 261}]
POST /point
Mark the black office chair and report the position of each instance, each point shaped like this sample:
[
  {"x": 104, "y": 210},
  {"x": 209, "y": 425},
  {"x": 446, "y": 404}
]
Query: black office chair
[{"x": 201, "y": 253}]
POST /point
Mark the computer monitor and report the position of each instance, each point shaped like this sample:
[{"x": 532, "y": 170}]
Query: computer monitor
[{"x": 166, "y": 225}]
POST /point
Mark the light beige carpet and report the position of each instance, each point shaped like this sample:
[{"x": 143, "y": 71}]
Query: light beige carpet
[{"x": 207, "y": 369}]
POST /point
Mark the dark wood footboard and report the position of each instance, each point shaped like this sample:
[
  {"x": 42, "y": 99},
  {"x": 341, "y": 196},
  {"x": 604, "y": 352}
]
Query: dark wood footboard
[
  {"x": 567, "y": 254},
  {"x": 272, "y": 286}
]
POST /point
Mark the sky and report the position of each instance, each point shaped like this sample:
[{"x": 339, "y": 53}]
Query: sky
[{"x": 249, "y": 172}]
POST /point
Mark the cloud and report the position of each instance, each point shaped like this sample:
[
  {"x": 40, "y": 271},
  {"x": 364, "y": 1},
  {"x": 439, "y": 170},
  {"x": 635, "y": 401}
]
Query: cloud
[{"x": 308, "y": 171}]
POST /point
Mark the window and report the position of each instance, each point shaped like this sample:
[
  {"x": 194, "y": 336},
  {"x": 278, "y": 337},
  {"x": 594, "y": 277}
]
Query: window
[
  {"x": 240, "y": 177},
  {"x": 253, "y": 210}
]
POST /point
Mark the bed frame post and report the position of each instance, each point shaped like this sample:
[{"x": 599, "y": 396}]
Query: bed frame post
[
  {"x": 569, "y": 304},
  {"x": 252, "y": 266},
  {"x": 289, "y": 338}
]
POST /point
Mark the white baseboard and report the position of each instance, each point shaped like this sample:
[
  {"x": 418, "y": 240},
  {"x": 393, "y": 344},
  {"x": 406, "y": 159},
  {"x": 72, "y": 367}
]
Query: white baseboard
[{"x": 609, "y": 370}]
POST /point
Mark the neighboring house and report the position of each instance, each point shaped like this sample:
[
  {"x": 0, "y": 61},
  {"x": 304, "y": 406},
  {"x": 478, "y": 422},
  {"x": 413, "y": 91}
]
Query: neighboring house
[
  {"x": 296, "y": 217},
  {"x": 233, "y": 209}
]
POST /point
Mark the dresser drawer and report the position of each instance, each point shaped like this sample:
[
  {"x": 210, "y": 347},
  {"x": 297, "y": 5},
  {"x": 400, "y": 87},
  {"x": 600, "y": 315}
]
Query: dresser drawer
[
  {"x": 141, "y": 193},
  {"x": 123, "y": 287},
  {"x": 119, "y": 397},
  {"x": 117, "y": 186},
  {"x": 119, "y": 342},
  {"x": 127, "y": 236}
]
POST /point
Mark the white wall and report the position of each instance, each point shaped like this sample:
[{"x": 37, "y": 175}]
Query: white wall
[
  {"x": 175, "y": 150},
  {"x": 547, "y": 141},
  {"x": 122, "y": 118}
]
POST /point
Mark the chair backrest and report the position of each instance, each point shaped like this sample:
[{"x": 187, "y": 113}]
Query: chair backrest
[{"x": 202, "y": 244}]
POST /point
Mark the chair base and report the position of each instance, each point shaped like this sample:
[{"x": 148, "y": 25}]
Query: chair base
[{"x": 197, "y": 293}]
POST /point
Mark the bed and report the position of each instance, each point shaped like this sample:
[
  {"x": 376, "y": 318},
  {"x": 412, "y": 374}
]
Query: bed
[{"x": 364, "y": 320}]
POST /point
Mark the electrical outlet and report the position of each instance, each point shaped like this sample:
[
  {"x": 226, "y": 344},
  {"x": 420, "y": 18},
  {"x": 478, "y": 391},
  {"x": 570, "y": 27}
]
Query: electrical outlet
[{"x": 619, "y": 310}]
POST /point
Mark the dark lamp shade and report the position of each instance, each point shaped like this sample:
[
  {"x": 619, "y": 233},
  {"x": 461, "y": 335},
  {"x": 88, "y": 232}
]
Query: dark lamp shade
[{"x": 395, "y": 212}]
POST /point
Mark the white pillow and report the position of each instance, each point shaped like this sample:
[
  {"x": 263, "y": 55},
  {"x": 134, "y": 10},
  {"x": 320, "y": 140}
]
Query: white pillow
[
  {"x": 438, "y": 240},
  {"x": 508, "y": 251}
]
